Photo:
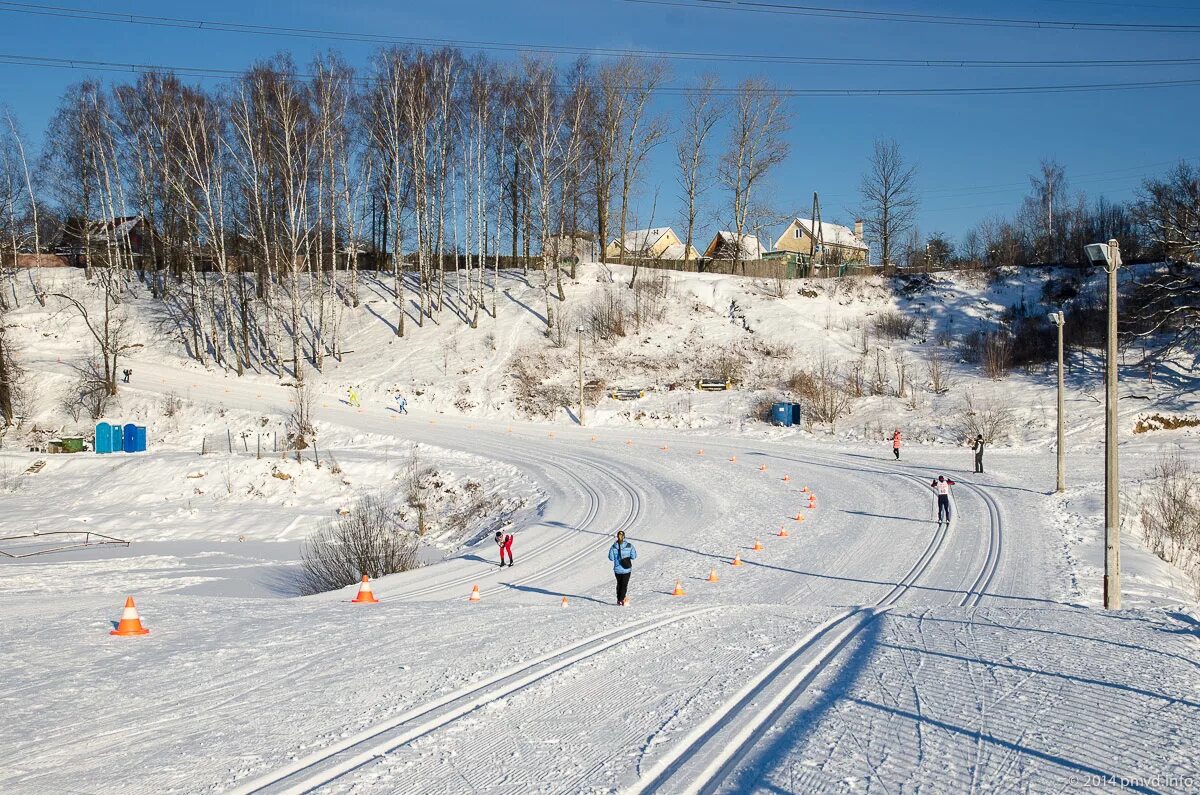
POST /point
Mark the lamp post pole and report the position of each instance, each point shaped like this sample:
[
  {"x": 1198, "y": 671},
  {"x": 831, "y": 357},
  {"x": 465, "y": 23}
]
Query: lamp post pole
[
  {"x": 1061, "y": 482},
  {"x": 1112, "y": 515}
]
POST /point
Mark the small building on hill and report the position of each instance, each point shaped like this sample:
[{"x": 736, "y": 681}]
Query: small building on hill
[
  {"x": 832, "y": 243},
  {"x": 727, "y": 246},
  {"x": 661, "y": 242}
]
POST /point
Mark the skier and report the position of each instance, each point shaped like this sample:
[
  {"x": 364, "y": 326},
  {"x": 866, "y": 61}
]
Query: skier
[
  {"x": 896, "y": 444},
  {"x": 401, "y": 404},
  {"x": 353, "y": 398},
  {"x": 942, "y": 487},
  {"x": 622, "y": 554},
  {"x": 977, "y": 446},
  {"x": 504, "y": 541},
  {"x": 127, "y": 372}
]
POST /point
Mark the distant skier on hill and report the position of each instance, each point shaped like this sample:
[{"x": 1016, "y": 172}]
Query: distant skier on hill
[
  {"x": 896, "y": 444},
  {"x": 622, "y": 554},
  {"x": 401, "y": 404},
  {"x": 352, "y": 398},
  {"x": 504, "y": 541},
  {"x": 941, "y": 487}
]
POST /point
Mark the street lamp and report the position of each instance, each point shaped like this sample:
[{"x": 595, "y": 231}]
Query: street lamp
[
  {"x": 579, "y": 332},
  {"x": 1058, "y": 318},
  {"x": 1108, "y": 256}
]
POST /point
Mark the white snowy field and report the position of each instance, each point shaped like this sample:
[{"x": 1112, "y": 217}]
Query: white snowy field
[{"x": 870, "y": 650}]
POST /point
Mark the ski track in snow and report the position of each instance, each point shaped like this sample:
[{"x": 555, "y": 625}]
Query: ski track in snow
[{"x": 869, "y": 651}]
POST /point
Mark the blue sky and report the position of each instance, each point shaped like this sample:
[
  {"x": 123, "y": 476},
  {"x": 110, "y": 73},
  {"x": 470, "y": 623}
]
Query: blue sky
[{"x": 974, "y": 153}]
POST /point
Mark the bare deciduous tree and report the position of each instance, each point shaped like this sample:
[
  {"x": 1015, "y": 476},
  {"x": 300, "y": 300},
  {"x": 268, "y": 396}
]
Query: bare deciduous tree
[
  {"x": 691, "y": 154},
  {"x": 889, "y": 198}
]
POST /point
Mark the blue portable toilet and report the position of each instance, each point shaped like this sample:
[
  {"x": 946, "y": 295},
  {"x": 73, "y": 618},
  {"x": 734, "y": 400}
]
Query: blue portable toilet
[
  {"x": 140, "y": 446},
  {"x": 797, "y": 414},
  {"x": 781, "y": 414},
  {"x": 116, "y": 439},
  {"x": 130, "y": 441},
  {"x": 103, "y": 437}
]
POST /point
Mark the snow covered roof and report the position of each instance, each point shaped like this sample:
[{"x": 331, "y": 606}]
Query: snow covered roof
[
  {"x": 833, "y": 234},
  {"x": 727, "y": 243},
  {"x": 642, "y": 239},
  {"x": 675, "y": 251}
]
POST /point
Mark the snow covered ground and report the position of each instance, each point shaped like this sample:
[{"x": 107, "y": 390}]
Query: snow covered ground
[{"x": 869, "y": 650}]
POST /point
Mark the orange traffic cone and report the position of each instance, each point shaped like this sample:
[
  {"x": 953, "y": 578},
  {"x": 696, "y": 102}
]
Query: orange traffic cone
[
  {"x": 509, "y": 430},
  {"x": 786, "y": 478},
  {"x": 701, "y": 451},
  {"x": 804, "y": 488},
  {"x": 131, "y": 622},
  {"x": 762, "y": 467},
  {"x": 628, "y": 442},
  {"x": 737, "y": 559},
  {"x": 799, "y": 517},
  {"x": 664, "y": 448},
  {"x": 712, "y": 575},
  {"x": 593, "y": 438},
  {"x": 757, "y": 545},
  {"x": 733, "y": 459},
  {"x": 365, "y": 594},
  {"x": 678, "y": 589},
  {"x": 551, "y": 434},
  {"x": 783, "y": 533},
  {"x": 564, "y": 602},
  {"x": 474, "y": 597}
]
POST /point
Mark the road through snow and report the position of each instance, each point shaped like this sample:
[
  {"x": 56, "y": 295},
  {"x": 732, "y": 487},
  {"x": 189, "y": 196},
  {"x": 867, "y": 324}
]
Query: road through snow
[{"x": 871, "y": 649}]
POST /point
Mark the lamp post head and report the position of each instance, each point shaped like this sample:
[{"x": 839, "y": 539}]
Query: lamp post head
[{"x": 1106, "y": 255}]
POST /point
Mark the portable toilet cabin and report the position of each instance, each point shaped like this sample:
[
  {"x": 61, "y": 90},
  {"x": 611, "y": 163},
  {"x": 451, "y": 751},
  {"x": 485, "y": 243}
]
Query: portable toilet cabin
[
  {"x": 140, "y": 446},
  {"x": 781, "y": 414},
  {"x": 130, "y": 438},
  {"x": 117, "y": 439},
  {"x": 103, "y": 437}
]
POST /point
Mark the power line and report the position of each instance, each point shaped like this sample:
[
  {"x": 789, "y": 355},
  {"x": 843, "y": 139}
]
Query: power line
[
  {"x": 554, "y": 49},
  {"x": 228, "y": 74},
  {"x": 767, "y": 7}
]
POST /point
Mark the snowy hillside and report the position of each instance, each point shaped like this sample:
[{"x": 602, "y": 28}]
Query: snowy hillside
[{"x": 860, "y": 646}]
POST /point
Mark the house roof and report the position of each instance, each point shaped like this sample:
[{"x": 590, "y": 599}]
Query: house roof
[
  {"x": 642, "y": 239},
  {"x": 676, "y": 251},
  {"x": 749, "y": 245},
  {"x": 832, "y": 234}
]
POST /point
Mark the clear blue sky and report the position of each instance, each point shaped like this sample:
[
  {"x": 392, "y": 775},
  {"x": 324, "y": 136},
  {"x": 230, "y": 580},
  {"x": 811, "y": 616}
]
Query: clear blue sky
[{"x": 974, "y": 153}]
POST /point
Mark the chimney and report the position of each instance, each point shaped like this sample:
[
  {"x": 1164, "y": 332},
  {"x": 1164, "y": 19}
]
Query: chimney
[{"x": 858, "y": 228}]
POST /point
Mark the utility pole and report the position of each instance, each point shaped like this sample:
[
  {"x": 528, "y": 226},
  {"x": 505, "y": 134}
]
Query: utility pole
[
  {"x": 579, "y": 333},
  {"x": 1109, "y": 257},
  {"x": 1058, "y": 318}
]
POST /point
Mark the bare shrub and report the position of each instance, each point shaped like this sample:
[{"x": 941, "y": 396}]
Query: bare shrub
[
  {"x": 370, "y": 541},
  {"x": 605, "y": 315},
  {"x": 993, "y": 420},
  {"x": 991, "y": 350},
  {"x": 856, "y": 378},
  {"x": 726, "y": 365},
  {"x": 822, "y": 391},
  {"x": 172, "y": 404},
  {"x": 894, "y": 325},
  {"x": 938, "y": 371},
  {"x": 649, "y": 300},
  {"x": 1160, "y": 422},
  {"x": 1171, "y": 515},
  {"x": 89, "y": 392},
  {"x": 300, "y": 428}
]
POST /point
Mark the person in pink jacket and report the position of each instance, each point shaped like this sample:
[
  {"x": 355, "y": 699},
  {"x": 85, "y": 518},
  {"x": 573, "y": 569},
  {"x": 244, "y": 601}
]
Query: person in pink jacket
[{"x": 896, "y": 444}]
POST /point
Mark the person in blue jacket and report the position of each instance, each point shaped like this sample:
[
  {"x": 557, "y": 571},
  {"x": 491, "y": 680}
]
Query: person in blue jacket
[{"x": 622, "y": 555}]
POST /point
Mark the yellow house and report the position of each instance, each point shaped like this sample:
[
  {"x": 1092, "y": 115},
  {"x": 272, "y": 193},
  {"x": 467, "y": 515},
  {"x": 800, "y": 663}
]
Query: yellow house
[
  {"x": 836, "y": 243},
  {"x": 660, "y": 242}
]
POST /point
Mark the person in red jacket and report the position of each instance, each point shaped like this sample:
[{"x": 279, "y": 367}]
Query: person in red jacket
[
  {"x": 896, "y": 444},
  {"x": 504, "y": 541},
  {"x": 942, "y": 487}
]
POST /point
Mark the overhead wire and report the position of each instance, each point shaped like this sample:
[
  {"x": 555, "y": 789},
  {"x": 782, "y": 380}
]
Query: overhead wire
[
  {"x": 215, "y": 25},
  {"x": 858, "y": 14},
  {"x": 229, "y": 74}
]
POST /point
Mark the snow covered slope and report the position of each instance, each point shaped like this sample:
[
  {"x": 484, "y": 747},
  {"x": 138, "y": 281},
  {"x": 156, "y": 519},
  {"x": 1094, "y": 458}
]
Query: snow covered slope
[{"x": 868, "y": 649}]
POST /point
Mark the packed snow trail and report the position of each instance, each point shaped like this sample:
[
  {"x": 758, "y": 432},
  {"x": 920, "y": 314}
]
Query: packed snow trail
[{"x": 931, "y": 693}]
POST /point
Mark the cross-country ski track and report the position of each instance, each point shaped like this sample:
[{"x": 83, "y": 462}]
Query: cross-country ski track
[{"x": 818, "y": 666}]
